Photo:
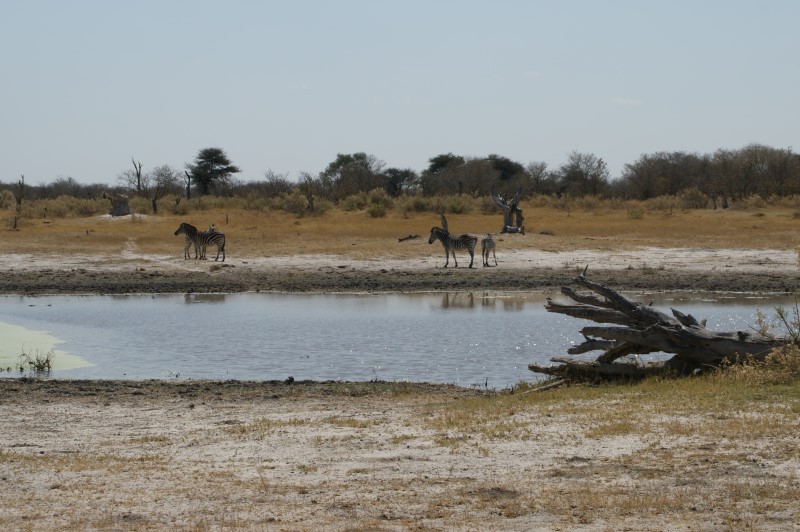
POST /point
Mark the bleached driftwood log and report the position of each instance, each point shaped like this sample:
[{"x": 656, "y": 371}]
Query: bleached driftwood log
[{"x": 641, "y": 329}]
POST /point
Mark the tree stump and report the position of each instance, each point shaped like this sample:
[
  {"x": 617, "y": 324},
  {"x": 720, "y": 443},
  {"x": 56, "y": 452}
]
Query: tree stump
[{"x": 120, "y": 205}]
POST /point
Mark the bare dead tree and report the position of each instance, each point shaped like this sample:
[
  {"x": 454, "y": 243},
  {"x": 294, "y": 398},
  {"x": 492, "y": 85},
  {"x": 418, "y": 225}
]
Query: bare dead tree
[
  {"x": 641, "y": 329},
  {"x": 137, "y": 171},
  {"x": 188, "y": 185},
  {"x": 511, "y": 211},
  {"x": 18, "y": 195}
]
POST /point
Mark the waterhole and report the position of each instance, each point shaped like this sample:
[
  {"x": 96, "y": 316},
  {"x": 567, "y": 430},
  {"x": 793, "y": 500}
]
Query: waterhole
[{"x": 468, "y": 339}]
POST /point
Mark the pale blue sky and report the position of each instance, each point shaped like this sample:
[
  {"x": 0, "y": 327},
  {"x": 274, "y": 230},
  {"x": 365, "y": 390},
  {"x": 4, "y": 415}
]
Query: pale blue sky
[{"x": 287, "y": 85}]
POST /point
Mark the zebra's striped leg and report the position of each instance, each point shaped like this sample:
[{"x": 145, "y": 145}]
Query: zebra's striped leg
[
  {"x": 454, "y": 257},
  {"x": 495, "y": 258},
  {"x": 471, "y": 257}
]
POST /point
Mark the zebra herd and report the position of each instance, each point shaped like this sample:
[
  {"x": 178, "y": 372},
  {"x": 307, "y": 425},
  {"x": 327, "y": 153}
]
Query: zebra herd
[
  {"x": 468, "y": 242},
  {"x": 201, "y": 240},
  {"x": 451, "y": 243}
]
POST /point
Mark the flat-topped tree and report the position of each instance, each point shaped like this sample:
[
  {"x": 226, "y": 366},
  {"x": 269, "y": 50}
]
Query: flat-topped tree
[{"x": 211, "y": 169}]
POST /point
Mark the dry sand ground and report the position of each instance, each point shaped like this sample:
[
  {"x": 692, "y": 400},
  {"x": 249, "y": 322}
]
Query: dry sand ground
[
  {"x": 649, "y": 268},
  {"x": 309, "y": 456}
]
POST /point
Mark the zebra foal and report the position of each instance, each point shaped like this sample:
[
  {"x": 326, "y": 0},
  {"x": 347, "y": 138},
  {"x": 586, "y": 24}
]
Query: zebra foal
[
  {"x": 191, "y": 236},
  {"x": 487, "y": 245},
  {"x": 452, "y": 243},
  {"x": 212, "y": 236}
]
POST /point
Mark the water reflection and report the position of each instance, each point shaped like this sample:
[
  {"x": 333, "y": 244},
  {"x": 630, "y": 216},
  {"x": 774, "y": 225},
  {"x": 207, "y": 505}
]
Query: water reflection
[
  {"x": 458, "y": 300},
  {"x": 488, "y": 301},
  {"x": 203, "y": 298}
]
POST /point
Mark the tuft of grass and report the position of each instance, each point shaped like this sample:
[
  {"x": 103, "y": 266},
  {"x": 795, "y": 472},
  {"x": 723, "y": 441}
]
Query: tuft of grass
[
  {"x": 612, "y": 429},
  {"x": 262, "y": 427},
  {"x": 635, "y": 213},
  {"x": 36, "y": 361}
]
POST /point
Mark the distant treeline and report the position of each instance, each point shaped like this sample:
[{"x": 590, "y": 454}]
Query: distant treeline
[{"x": 755, "y": 169}]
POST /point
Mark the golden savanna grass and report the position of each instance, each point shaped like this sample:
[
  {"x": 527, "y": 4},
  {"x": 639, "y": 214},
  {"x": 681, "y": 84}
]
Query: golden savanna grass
[{"x": 252, "y": 233}]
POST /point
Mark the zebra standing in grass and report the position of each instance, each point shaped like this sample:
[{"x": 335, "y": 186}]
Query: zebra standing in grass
[
  {"x": 212, "y": 236},
  {"x": 452, "y": 243},
  {"x": 487, "y": 245},
  {"x": 191, "y": 236}
]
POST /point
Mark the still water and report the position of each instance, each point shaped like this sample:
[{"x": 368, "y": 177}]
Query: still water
[{"x": 463, "y": 338}]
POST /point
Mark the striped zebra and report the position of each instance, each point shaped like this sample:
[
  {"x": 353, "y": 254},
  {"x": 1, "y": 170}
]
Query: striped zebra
[
  {"x": 452, "y": 243},
  {"x": 191, "y": 236},
  {"x": 212, "y": 236},
  {"x": 487, "y": 245}
]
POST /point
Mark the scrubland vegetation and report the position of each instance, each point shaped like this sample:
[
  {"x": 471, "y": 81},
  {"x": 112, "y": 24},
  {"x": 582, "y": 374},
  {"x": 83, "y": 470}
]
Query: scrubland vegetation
[{"x": 261, "y": 226}]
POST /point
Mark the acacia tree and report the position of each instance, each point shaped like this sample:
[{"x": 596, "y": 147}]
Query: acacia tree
[
  {"x": 434, "y": 178},
  {"x": 583, "y": 174},
  {"x": 400, "y": 180},
  {"x": 352, "y": 173},
  {"x": 539, "y": 179},
  {"x": 211, "y": 169}
]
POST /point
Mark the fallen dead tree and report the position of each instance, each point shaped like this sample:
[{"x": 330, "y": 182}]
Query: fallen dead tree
[{"x": 638, "y": 329}]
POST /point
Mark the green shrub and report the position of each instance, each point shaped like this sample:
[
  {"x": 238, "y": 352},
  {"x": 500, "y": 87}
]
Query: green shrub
[
  {"x": 254, "y": 202},
  {"x": 755, "y": 202},
  {"x": 588, "y": 203},
  {"x": 376, "y": 210},
  {"x": 662, "y": 203},
  {"x": 790, "y": 202},
  {"x": 616, "y": 204},
  {"x": 635, "y": 213},
  {"x": 692, "y": 198},
  {"x": 542, "y": 200},
  {"x": 354, "y": 202},
  {"x": 378, "y": 196},
  {"x": 488, "y": 206},
  {"x": 407, "y": 204},
  {"x": 7, "y": 200},
  {"x": 563, "y": 203},
  {"x": 180, "y": 208},
  {"x": 139, "y": 205},
  {"x": 65, "y": 207},
  {"x": 321, "y": 206},
  {"x": 294, "y": 203},
  {"x": 460, "y": 204}
]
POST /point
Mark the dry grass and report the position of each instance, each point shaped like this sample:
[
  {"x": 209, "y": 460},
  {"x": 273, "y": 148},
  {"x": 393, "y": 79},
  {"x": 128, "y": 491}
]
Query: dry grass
[
  {"x": 715, "y": 452},
  {"x": 257, "y": 233}
]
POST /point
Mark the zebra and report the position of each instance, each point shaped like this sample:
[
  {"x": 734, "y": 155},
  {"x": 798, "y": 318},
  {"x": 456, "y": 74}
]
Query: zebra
[
  {"x": 212, "y": 236},
  {"x": 191, "y": 236},
  {"x": 452, "y": 243},
  {"x": 487, "y": 245}
]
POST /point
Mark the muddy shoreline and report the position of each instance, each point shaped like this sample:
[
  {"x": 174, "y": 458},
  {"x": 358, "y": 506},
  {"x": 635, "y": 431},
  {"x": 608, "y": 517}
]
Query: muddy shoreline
[{"x": 336, "y": 280}]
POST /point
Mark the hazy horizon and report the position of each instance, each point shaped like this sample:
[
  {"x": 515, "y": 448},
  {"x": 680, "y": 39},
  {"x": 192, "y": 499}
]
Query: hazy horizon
[{"x": 287, "y": 86}]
